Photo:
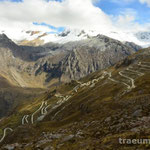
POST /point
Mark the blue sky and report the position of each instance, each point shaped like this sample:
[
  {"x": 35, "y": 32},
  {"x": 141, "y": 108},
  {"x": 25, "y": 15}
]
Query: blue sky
[
  {"x": 111, "y": 7},
  {"x": 55, "y": 29}
]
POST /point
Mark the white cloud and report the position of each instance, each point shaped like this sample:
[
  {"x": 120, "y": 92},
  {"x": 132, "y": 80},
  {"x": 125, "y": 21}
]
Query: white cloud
[
  {"x": 68, "y": 13},
  {"x": 126, "y": 20},
  {"x": 145, "y": 1}
]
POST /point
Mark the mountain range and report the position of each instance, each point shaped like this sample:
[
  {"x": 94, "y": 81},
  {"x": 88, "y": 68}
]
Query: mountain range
[
  {"x": 52, "y": 64},
  {"x": 78, "y": 94}
]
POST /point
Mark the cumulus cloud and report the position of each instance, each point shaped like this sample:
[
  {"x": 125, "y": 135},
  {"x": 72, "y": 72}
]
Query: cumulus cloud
[{"x": 68, "y": 13}]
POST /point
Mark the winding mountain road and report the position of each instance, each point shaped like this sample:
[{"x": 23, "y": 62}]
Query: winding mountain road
[
  {"x": 140, "y": 64},
  {"x": 76, "y": 88},
  {"x": 137, "y": 72},
  {"x": 43, "y": 109},
  {"x": 22, "y": 121},
  {"x": 110, "y": 77},
  {"x": 32, "y": 116},
  {"x": 26, "y": 118},
  {"x": 4, "y": 134},
  {"x": 131, "y": 79},
  {"x": 78, "y": 82},
  {"x": 113, "y": 80}
]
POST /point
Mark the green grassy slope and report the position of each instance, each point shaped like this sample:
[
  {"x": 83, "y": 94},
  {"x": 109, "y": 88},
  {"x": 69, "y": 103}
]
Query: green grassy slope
[
  {"x": 101, "y": 108},
  {"x": 11, "y": 96}
]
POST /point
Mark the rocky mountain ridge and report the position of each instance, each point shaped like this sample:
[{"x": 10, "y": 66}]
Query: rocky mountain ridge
[{"x": 53, "y": 64}]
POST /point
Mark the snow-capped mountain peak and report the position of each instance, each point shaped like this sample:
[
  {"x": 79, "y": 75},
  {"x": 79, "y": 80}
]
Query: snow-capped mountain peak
[{"x": 41, "y": 37}]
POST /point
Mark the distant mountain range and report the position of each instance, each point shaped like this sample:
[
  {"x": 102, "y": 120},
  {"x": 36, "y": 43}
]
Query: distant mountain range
[{"x": 36, "y": 38}]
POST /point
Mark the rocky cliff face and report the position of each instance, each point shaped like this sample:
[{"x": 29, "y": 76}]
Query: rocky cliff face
[
  {"x": 87, "y": 56},
  {"x": 54, "y": 63}
]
